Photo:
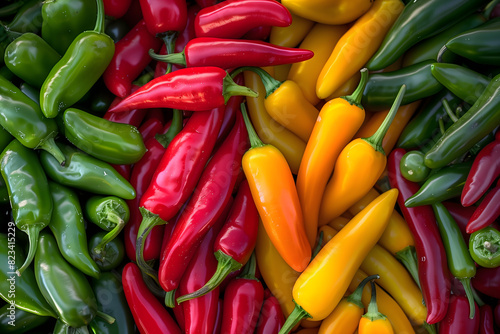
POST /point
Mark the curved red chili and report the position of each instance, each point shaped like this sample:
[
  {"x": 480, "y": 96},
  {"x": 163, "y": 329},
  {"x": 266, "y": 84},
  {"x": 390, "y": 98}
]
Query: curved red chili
[
  {"x": 234, "y": 18},
  {"x": 486, "y": 321},
  {"x": 150, "y": 127},
  {"x": 271, "y": 317},
  {"x": 195, "y": 89},
  {"x": 231, "y": 53},
  {"x": 457, "y": 318},
  {"x": 205, "y": 206},
  {"x": 260, "y": 33},
  {"x": 116, "y": 8},
  {"x": 133, "y": 117},
  {"x": 432, "y": 263},
  {"x": 162, "y": 16},
  {"x": 487, "y": 281},
  {"x": 487, "y": 211},
  {"x": 150, "y": 316}
]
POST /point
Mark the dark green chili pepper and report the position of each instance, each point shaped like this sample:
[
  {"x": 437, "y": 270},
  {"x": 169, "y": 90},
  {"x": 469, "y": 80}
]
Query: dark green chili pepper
[
  {"x": 87, "y": 173},
  {"x": 4, "y": 193},
  {"x": 30, "y": 58},
  {"x": 113, "y": 142},
  {"x": 381, "y": 88},
  {"x": 64, "y": 287},
  {"x": 68, "y": 227},
  {"x": 7, "y": 74},
  {"x": 63, "y": 20},
  {"x": 29, "y": 193},
  {"x": 107, "y": 254},
  {"x": 16, "y": 321},
  {"x": 460, "y": 262},
  {"x": 480, "y": 120},
  {"x": 61, "y": 328},
  {"x": 100, "y": 99},
  {"x": 111, "y": 300},
  {"x": 27, "y": 296},
  {"x": 31, "y": 92},
  {"x": 413, "y": 167},
  {"x": 23, "y": 119},
  {"x": 420, "y": 20},
  {"x": 465, "y": 83},
  {"x": 484, "y": 247},
  {"x": 81, "y": 66},
  {"x": 28, "y": 18},
  {"x": 444, "y": 184}
]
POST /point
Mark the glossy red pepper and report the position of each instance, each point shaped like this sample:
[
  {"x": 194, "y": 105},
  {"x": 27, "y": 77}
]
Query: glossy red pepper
[
  {"x": 116, "y": 8},
  {"x": 487, "y": 281},
  {"x": 130, "y": 59},
  {"x": 271, "y": 317},
  {"x": 457, "y": 318},
  {"x": 461, "y": 215},
  {"x": 486, "y": 321},
  {"x": 260, "y": 33},
  {"x": 232, "y": 108},
  {"x": 133, "y": 14},
  {"x": 133, "y": 117},
  {"x": 195, "y": 89},
  {"x": 163, "y": 16},
  {"x": 234, "y": 18},
  {"x": 230, "y": 53},
  {"x": 150, "y": 316},
  {"x": 484, "y": 171},
  {"x": 235, "y": 242},
  {"x": 149, "y": 128},
  {"x": 218, "y": 322},
  {"x": 432, "y": 263},
  {"x": 487, "y": 211},
  {"x": 204, "y": 207}
]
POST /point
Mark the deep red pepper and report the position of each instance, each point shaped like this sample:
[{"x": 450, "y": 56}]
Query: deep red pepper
[
  {"x": 484, "y": 171},
  {"x": 124, "y": 170},
  {"x": 133, "y": 117},
  {"x": 487, "y": 281},
  {"x": 133, "y": 14},
  {"x": 178, "y": 311},
  {"x": 163, "y": 16},
  {"x": 457, "y": 318},
  {"x": 432, "y": 263},
  {"x": 487, "y": 211},
  {"x": 230, "y": 53},
  {"x": 195, "y": 89},
  {"x": 496, "y": 313},
  {"x": 206, "y": 3},
  {"x": 116, "y": 8},
  {"x": 461, "y": 214},
  {"x": 243, "y": 300},
  {"x": 150, "y": 316},
  {"x": 234, "y": 18},
  {"x": 130, "y": 59},
  {"x": 260, "y": 33},
  {"x": 232, "y": 108},
  {"x": 218, "y": 321},
  {"x": 149, "y": 128},
  {"x": 271, "y": 317},
  {"x": 486, "y": 321},
  {"x": 204, "y": 207}
]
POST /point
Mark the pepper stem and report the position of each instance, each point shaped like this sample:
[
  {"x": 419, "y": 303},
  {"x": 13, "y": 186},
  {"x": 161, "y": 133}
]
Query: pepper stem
[
  {"x": 170, "y": 298},
  {"x": 252, "y": 135},
  {"x": 355, "y": 297},
  {"x": 50, "y": 146},
  {"x": 448, "y": 110},
  {"x": 376, "y": 139},
  {"x": 431, "y": 329},
  {"x": 172, "y": 58},
  {"x": 372, "y": 313},
  {"x": 355, "y": 97},
  {"x": 270, "y": 83},
  {"x": 250, "y": 268},
  {"x": 440, "y": 54},
  {"x": 225, "y": 265},
  {"x": 106, "y": 317},
  {"x": 99, "y": 23},
  {"x": 470, "y": 295},
  {"x": 169, "y": 39},
  {"x": 408, "y": 256},
  {"x": 173, "y": 130},
  {"x": 231, "y": 88},
  {"x": 119, "y": 225},
  {"x": 297, "y": 315},
  {"x": 32, "y": 231}
]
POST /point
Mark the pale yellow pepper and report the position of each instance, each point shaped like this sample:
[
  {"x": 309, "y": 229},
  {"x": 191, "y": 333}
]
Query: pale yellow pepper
[{"x": 328, "y": 11}]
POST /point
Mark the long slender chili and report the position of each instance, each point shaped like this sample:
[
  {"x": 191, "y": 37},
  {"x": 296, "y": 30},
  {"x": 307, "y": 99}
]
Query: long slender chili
[
  {"x": 271, "y": 317},
  {"x": 486, "y": 212}
]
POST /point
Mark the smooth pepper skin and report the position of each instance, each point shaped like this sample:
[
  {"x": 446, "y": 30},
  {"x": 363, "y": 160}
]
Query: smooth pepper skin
[
  {"x": 28, "y": 17},
  {"x": 164, "y": 16},
  {"x": 31, "y": 58},
  {"x": 457, "y": 318},
  {"x": 334, "y": 13},
  {"x": 109, "y": 256},
  {"x": 487, "y": 281}
]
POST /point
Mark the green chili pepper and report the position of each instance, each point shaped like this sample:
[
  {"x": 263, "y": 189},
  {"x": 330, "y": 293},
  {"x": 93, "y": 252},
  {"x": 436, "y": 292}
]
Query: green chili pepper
[
  {"x": 460, "y": 262},
  {"x": 30, "y": 58},
  {"x": 111, "y": 300},
  {"x": 484, "y": 247},
  {"x": 413, "y": 167},
  {"x": 87, "y": 173},
  {"x": 28, "y": 18},
  {"x": 62, "y": 328},
  {"x": 81, "y": 66},
  {"x": 23, "y": 119},
  {"x": 63, "y": 20},
  {"x": 64, "y": 287},
  {"x": 27, "y": 296},
  {"x": 480, "y": 120},
  {"x": 107, "y": 254},
  {"x": 4, "y": 193},
  {"x": 68, "y": 227},
  {"x": 29, "y": 193},
  {"x": 116, "y": 143},
  {"x": 420, "y": 20},
  {"x": 444, "y": 184},
  {"x": 5, "y": 138},
  {"x": 381, "y": 88},
  {"x": 17, "y": 321}
]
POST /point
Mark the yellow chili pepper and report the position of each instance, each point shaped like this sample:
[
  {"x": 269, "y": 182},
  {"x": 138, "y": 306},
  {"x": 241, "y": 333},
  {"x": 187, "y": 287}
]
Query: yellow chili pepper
[
  {"x": 324, "y": 282},
  {"x": 374, "y": 322},
  {"x": 292, "y": 35},
  {"x": 328, "y": 11},
  {"x": 275, "y": 195},
  {"x": 321, "y": 40},
  {"x": 347, "y": 87},
  {"x": 270, "y": 131},
  {"x": 281, "y": 71},
  {"x": 357, "y": 169},
  {"x": 357, "y": 45},
  {"x": 337, "y": 122},
  {"x": 338, "y": 223}
]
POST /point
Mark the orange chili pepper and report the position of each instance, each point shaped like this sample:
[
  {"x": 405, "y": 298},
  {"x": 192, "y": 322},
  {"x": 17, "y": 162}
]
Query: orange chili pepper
[
  {"x": 357, "y": 169},
  {"x": 275, "y": 195},
  {"x": 374, "y": 322},
  {"x": 337, "y": 122},
  {"x": 357, "y": 45},
  {"x": 292, "y": 35},
  {"x": 328, "y": 11}
]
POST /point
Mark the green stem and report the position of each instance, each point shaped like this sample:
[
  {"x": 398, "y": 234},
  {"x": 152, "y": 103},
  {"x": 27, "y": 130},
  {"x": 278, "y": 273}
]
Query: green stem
[
  {"x": 270, "y": 83},
  {"x": 169, "y": 39},
  {"x": 172, "y": 58},
  {"x": 372, "y": 313},
  {"x": 144, "y": 79},
  {"x": 408, "y": 256},
  {"x": 248, "y": 271},
  {"x": 32, "y": 231},
  {"x": 449, "y": 112},
  {"x": 355, "y": 297},
  {"x": 431, "y": 329},
  {"x": 440, "y": 54},
  {"x": 318, "y": 246},
  {"x": 119, "y": 225},
  {"x": 50, "y": 146},
  {"x": 99, "y": 23},
  {"x": 356, "y": 96},
  {"x": 231, "y": 88},
  {"x": 173, "y": 130},
  {"x": 170, "y": 298},
  {"x": 297, "y": 315},
  {"x": 252, "y": 135},
  {"x": 106, "y": 317},
  {"x": 441, "y": 126},
  {"x": 470, "y": 296},
  {"x": 480, "y": 302},
  {"x": 376, "y": 139}
]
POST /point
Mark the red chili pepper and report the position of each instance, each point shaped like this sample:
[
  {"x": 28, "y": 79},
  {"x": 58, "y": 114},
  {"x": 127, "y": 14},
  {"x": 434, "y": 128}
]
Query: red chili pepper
[
  {"x": 260, "y": 33},
  {"x": 124, "y": 170},
  {"x": 487, "y": 281},
  {"x": 432, "y": 263},
  {"x": 486, "y": 321},
  {"x": 195, "y": 89},
  {"x": 243, "y": 300},
  {"x": 150, "y": 316},
  {"x": 496, "y": 313},
  {"x": 206, "y": 3},
  {"x": 129, "y": 60},
  {"x": 234, "y": 18},
  {"x": 133, "y": 14},
  {"x": 487, "y": 211},
  {"x": 205, "y": 206},
  {"x": 218, "y": 321},
  {"x": 178, "y": 311},
  {"x": 457, "y": 318},
  {"x": 230, "y": 53},
  {"x": 271, "y": 317},
  {"x": 133, "y": 117},
  {"x": 149, "y": 128},
  {"x": 461, "y": 214},
  {"x": 163, "y": 16},
  {"x": 484, "y": 171},
  {"x": 232, "y": 108},
  {"x": 116, "y": 8},
  {"x": 235, "y": 242}
]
